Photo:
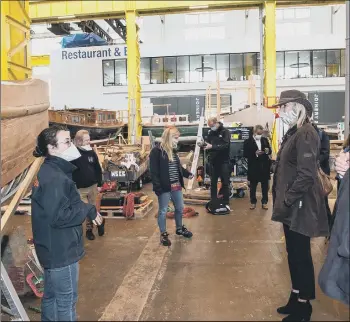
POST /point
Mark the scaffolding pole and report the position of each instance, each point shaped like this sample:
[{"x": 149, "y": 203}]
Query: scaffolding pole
[{"x": 347, "y": 75}]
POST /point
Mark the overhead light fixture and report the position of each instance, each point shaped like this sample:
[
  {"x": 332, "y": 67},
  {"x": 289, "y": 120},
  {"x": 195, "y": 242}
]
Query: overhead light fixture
[
  {"x": 199, "y": 7},
  {"x": 67, "y": 17}
]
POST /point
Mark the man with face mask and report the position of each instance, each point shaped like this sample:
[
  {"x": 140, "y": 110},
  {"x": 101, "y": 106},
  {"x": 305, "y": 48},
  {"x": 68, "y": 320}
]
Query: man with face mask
[
  {"x": 257, "y": 151},
  {"x": 218, "y": 147},
  {"x": 88, "y": 177},
  {"x": 298, "y": 201},
  {"x": 57, "y": 216}
]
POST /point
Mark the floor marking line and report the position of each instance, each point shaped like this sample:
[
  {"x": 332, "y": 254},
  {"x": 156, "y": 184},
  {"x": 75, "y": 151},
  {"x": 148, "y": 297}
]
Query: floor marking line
[{"x": 131, "y": 296}]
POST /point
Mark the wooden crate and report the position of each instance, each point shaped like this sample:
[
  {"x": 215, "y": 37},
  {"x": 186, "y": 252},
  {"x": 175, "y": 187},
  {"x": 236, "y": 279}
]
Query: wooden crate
[{"x": 141, "y": 210}]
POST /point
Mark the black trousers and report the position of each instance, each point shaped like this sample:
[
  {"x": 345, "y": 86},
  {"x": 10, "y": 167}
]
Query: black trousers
[
  {"x": 300, "y": 263},
  {"x": 222, "y": 171},
  {"x": 265, "y": 191}
]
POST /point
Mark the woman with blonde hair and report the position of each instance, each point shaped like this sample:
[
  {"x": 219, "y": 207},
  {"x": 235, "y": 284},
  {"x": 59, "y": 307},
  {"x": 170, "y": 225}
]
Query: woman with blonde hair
[
  {"x": 87, "y": 177},
  {"x": 167, "y": 178}
]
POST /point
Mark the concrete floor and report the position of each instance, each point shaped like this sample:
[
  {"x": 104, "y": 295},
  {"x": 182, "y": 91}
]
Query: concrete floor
[{"x": 234, "y": 268}]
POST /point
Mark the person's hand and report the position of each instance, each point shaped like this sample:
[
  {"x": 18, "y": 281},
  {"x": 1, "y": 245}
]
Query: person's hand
[
  {"x": 267, "y": 150},
  {"x": 208, "y": 146},
  {"x": 342, "y": 163},
  {"x": 98, "y": 220}
]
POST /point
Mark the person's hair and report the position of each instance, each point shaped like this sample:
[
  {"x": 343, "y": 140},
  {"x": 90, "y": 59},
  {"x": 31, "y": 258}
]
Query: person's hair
[
  {"x": 167, "y": 141},
  {"x": 258, "y": 127},
  {"x": 346, "y": 143},
  {"x": 78, "y": 139},
  {"x": 300, "y": 110},
  {"x": 212, "y": 119},
  {"x": 46, "y": 137}
]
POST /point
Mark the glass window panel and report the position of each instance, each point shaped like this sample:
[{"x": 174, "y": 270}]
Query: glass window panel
[
  {"x": 302, "y": 13},
  {"x": 342, "y": 62},
  {"x": 291, "y": 64},
  {"x": 216, "y": 17},
  {"x": 120, "y": 72},
  {"x": 108, "y": 72},
  {"x": 236, "y": 67},
  {"x": 191, "y": 19},
  {"x": 170, "y": 69},
  {"x": 145, "y": 71},
  {"x": 183, "y": 69},
  {"x": 319, "y": 63},
  {"x": 249, "y": 65},
  {"x": 223, "y": 66},
  {"x": 280, "y": 65},
  {"x": 196, "y": 69},
  {"x": 204, "y": 18},
  {"x": 333, "y": 63},
  {"x": 209, "y": 68},
  {"x": 157, "y": 70},
  {"x": 304, "y": 64},
  {"x": 289, "y": 13},
  {"x": 279, "y": 14}
]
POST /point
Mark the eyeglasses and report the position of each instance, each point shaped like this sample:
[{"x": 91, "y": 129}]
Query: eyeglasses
[{"x": 68, "y": 142}]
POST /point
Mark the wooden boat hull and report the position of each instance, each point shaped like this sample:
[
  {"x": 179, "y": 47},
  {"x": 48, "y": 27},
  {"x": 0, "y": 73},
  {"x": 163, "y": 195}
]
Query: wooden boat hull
[
  {"x": 190, "y": 130},
  {"x": 96, "y": 133},
  {"x": 24, "y": 114}
]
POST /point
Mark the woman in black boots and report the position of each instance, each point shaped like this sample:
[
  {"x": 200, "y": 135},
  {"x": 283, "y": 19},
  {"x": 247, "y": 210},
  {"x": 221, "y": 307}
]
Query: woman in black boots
[{"x": 298, "y": 200}]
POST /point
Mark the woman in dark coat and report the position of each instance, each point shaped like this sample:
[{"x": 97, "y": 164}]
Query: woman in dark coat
[
  {"x": 257, "y": 150},
  {"x": 298, "y": 200}
]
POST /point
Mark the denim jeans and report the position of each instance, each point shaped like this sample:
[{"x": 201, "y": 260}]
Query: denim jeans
[
  {"x": 163, "y": 201},
  {"x": 60, "y": 293}
]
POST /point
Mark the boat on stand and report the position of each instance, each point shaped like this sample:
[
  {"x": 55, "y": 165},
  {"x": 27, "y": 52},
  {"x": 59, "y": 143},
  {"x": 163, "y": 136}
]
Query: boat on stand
[
  {"x": 100, "y": 123},
  {"x": 24, "y": 114}
]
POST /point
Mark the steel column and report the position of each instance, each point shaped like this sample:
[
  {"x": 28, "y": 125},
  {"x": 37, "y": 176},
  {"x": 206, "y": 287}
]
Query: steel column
[{"x": 133, "y": 74}]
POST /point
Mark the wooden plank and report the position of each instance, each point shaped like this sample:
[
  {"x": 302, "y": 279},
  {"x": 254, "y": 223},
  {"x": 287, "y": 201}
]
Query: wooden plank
[
  {"x": 195, "y": 201},
  {"x": 21, "y": 191},
  {"x": 144, "y": 210},
  {"x": 203, "y": 195}
]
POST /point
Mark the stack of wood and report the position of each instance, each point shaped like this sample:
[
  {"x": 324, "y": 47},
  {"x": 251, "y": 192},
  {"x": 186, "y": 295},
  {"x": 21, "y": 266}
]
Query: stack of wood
[{"x": 116, "y": 153}]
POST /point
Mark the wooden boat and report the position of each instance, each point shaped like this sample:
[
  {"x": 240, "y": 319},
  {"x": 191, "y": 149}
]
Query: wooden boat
[
  {"x": 24, "y": 106},
  {"x": 99, "y": 123},
  {"x": 188, "y": 130}
]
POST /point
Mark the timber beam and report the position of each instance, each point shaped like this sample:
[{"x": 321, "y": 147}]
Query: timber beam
[{"x": 42, "y": 11}]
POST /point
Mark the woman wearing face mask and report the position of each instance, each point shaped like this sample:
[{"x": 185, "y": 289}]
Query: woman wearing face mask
[
  {"x": 57, "y": 216},
  {"x": 298, "y": 200},
  {"x": 167, "y": 178},
  {"x": 88, "y": 177}
]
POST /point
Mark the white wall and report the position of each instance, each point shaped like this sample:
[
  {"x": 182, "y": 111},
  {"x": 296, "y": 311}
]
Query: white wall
[{"x": 78, "y": 83}]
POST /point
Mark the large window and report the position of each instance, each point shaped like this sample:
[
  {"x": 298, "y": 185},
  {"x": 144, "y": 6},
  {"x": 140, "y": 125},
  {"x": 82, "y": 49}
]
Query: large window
[
  {"x": 157, "y": 69},
  {"x": 170, "y": 69},
  {"x": 319, "y": 63},
  {"x": 183, "y": 69},
  {"x": 230, "y": 67}
]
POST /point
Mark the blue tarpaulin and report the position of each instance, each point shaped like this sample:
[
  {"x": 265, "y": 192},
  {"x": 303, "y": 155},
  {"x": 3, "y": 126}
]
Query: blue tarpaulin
[{"x": 82, "y": 40}]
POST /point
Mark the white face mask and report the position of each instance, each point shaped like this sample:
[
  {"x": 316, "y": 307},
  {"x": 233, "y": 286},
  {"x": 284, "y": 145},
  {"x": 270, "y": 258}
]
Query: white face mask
[
  {"x": 72, "y": 153},
  {"x": 258, "y": 136},
  {"x": 86, "y": 147},
  {"x": 214, "y": 128},
  {"x": 290, "y": 118}
]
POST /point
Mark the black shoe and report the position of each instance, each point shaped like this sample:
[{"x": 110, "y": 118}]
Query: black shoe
[
  {"x": 184, "y": 232},
  {"x": 90, "y": 235},
  {"x": 290, "y": 306},
  {"x": 101, "y": 228},
  {"x": 164, "y": 239},
  {"x": 303, "y": 311}
]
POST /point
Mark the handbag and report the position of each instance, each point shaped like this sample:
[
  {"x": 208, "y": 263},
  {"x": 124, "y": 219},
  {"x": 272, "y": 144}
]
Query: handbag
[{"x": 326, "y": 183}]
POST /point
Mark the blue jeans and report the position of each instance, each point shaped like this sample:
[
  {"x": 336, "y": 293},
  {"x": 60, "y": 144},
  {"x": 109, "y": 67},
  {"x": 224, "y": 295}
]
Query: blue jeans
[
  {"x": 163, "y": 201},
  {"x": 60, "y": 293}
]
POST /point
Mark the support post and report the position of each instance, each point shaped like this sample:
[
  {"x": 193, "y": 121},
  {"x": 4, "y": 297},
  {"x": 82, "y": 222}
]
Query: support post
[
  {"x": 270, "y": 60},
  {"x": 347, "y": 72},
  {"x": 261, "y": 65},
  {"x": 133, "y": 71}
]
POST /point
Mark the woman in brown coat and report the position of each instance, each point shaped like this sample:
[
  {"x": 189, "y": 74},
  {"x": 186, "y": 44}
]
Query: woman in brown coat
[{"x": 298, "y": 200}]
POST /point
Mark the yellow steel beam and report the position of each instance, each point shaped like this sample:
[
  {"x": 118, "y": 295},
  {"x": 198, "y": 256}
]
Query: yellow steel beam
[
  {"x": 38, "y": 61},
  {"x": 15, "y": 36},
  {"x": 133, "y": 72},
  {"x": 67, "y": 10},
  {"x": 270, "y": 60}
]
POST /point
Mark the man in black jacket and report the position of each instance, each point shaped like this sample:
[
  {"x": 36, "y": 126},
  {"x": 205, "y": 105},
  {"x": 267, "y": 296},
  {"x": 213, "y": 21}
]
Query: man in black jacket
[
  {"x": 218, "y": 146},
  {"x": 88, "y": 177},
  {"x": 57, "y": 217},
  {"x": 257, "y": 150}
]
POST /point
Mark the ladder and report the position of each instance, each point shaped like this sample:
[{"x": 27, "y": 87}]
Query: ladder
[
  {"x": 196, "y": 152},
  {"x": 16, "y": 308}
]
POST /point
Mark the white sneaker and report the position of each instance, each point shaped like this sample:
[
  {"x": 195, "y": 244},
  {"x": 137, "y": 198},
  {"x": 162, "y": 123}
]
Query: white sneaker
[{"x": 228, "y": 207}]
